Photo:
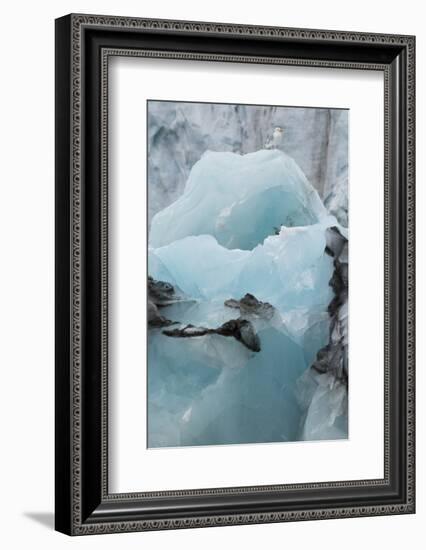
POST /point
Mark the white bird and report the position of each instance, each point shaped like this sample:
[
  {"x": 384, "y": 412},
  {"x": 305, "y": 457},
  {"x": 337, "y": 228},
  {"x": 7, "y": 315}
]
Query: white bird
[{"x": 275, "y": 141}]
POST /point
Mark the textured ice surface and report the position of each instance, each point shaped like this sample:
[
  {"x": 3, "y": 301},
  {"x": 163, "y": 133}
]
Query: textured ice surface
[
  {"x": 240, "y": 200},
  {"x": 244, "y": 224},
  {"x": 325, "y": 401},
  {"x": 289, "y": 270},
  {"x": 212, "y": 390}
]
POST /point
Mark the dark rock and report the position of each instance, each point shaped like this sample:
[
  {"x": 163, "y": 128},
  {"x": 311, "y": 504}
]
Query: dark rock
[
  {"x": 335, "y": 241},
  {"x": 162, "y": 293},
  {"x": 250, "y": 305},
  {"x": 156, "y": 320},
  {"x": 241, "y": 329},
  {"x": 339, "y": 281},
  {"x": 333, "y": 358}
]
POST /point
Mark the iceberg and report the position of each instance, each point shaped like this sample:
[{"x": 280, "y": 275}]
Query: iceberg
[
  {"x": 240, "y": 200},
  {"x": 248, "y": 246}
]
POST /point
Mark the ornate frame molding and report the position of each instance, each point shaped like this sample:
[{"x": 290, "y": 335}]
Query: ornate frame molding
[{"x": 75, "y": 27}]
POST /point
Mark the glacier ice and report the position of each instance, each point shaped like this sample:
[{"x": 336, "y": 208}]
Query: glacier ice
[
  {"x": 246, "y": 225},
  {"x": 210, "y": 390},
  {"x": 239, "y": 200},
  {"x": 325, "y": 400},
  {"x": 266, "y": 271}
]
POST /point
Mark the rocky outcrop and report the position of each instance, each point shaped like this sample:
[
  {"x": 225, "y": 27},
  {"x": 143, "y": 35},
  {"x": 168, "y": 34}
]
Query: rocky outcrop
[
  {"x": 333, "y": 358},
  {"x": 240, "y": 329},
  {"x": 250, "y": 305},
  {"x": 160, "y": 294}
]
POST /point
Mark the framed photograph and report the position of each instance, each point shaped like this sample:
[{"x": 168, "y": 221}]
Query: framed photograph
[{"x": 234, "y": 274}]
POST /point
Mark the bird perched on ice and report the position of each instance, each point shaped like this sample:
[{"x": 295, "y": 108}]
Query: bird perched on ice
[{"x": 274, "y": 141}]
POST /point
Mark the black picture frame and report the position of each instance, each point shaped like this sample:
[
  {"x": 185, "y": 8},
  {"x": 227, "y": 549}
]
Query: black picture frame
[{"x": 83, "y": 504}]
